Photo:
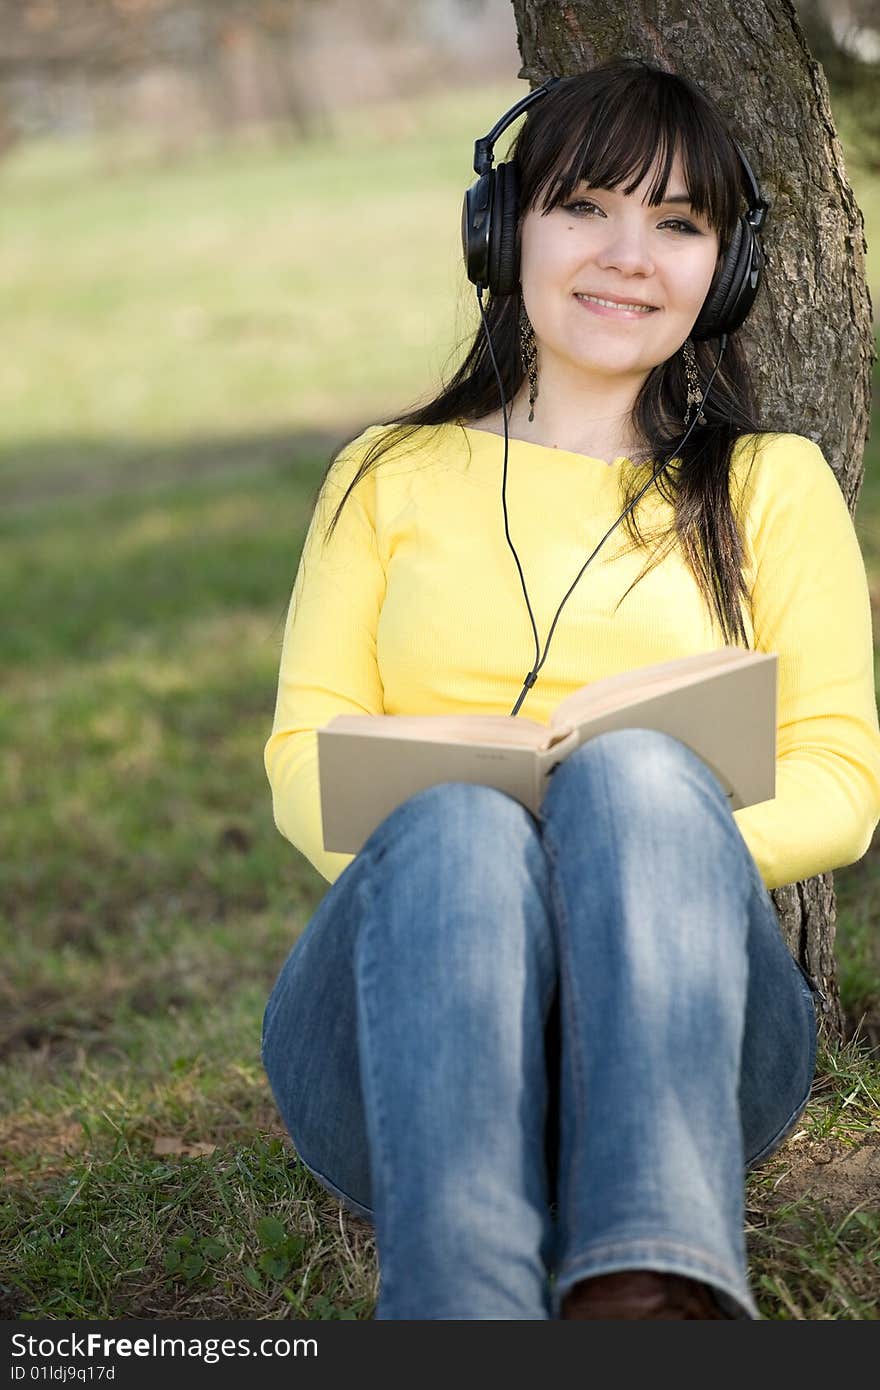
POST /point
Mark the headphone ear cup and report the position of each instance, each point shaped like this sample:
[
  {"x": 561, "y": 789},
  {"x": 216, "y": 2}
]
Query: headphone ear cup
[
  {"x": 503, "y": 250},
  {"x": 727, "y": 305},
  {"x": 476, "y": 227},
  {"x": 711, "y": 315}
]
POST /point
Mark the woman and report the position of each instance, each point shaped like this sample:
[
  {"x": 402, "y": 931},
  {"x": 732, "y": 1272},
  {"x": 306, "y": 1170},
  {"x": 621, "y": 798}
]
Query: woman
[{"x": 539, "y": 1053}]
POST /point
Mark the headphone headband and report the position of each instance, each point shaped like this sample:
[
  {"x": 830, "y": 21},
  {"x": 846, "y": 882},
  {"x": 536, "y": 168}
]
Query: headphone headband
[{"x": 484, "y": 148}]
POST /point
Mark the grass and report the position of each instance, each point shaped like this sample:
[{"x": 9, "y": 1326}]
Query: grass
[
  {"x": 260, "y": 278},
  {"x": 117, "y": 1231},
  {"x": 234, "y": 1235},
  {"x": 184, "y": 359},
  {"x": 813, "y": 1226}
]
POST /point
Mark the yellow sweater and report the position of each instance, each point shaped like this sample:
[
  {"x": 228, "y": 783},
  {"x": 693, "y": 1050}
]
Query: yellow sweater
[{"x": 416, "y": 607}]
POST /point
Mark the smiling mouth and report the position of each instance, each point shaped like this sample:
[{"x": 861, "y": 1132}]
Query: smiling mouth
[{"x": 615, "y": 306}]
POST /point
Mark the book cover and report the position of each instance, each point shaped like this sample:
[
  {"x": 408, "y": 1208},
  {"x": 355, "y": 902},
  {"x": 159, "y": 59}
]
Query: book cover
[{"x": 721, "y": 704}]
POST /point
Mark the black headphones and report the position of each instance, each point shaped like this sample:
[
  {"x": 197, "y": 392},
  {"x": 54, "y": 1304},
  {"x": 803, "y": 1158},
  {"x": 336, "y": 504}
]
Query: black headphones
[{"x": 489, "y": 224}]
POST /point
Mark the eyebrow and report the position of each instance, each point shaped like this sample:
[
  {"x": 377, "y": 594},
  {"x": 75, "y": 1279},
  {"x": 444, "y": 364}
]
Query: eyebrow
[{"x": 670, "y": 198}]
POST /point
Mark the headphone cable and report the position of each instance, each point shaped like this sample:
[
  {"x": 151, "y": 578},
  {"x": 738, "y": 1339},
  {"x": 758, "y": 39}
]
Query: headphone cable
[{"x": 539, "y": 660}]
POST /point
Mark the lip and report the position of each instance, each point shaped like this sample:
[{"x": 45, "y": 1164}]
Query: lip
[{"x": 622, "y": 313}]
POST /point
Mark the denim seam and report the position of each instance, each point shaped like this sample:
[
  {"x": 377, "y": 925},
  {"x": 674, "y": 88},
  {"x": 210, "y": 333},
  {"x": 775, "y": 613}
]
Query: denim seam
[
  {"x": 584, "y": 1266},
  {"x": 272, "y": 1003},
  {"x": 569, "y": 995},
  {"x": 327, "y": 1181},
  {"x": 364, "y": 978},
  {"x": 612, "y": 1248},
  {"x": 808, "y": 997},
  {"x": 774, "y": 1143},
  {"x": 366, "y": 859},
  {"x": 760, "y": 887},
  {"x": 266, "y": 1032},
  {"x": 578, "y": 1069}
]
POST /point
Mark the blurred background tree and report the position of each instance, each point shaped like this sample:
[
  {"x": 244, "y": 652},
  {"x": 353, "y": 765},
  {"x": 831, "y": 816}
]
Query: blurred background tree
[
  {"x": 186, "y": 68},
  {"x": 844, "y": 36}
]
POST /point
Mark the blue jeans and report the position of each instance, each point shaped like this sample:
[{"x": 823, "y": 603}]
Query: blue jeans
[{"x": 533, "y": 1050}]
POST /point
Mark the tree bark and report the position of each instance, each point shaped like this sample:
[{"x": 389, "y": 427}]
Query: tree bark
[{"x": 810, "y": 331}]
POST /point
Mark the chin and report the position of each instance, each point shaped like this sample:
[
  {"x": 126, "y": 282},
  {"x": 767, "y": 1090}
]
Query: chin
[{"x": 613, "y": 364}]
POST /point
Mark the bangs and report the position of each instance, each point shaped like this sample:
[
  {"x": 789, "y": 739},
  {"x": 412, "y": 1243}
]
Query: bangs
[{"x": 609, "y": 127}]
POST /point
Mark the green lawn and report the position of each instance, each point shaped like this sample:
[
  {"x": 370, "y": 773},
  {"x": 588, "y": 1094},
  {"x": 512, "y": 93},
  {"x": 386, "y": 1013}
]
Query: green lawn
[{"x": 188, "y": 342}]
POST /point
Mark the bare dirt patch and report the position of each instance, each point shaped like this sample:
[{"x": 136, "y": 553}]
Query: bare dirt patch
[
  {"x": 45, "y": 1144},
  {"x": 839, "y": 1177}
]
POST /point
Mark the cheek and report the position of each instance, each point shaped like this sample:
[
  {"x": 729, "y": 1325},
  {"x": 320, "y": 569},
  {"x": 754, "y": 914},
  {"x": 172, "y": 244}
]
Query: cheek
[
  {"x": 544, "y": 254},
  {"x": 542, "y": 278},
  {"x": 694, "y": 280},
  {"x": 529, "y": 266},
  {"x": 714, "y": 268}
]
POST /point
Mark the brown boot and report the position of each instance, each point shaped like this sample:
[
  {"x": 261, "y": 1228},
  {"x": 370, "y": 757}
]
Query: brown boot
[{"x": 639, "y": 1293}]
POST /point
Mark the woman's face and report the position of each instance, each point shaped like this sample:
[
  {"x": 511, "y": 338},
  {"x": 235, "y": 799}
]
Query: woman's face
[{"x": 604, "y": 242}]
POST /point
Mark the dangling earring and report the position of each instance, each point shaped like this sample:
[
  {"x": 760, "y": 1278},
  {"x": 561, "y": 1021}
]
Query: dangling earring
[
  {"x": 529, "y": 354},
  {"x": 694, "y": 394}
]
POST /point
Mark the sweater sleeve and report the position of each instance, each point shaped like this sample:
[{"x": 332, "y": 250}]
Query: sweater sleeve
[
  {"x": 811, "y": 606},
  {"x": 328, "y": 653}
]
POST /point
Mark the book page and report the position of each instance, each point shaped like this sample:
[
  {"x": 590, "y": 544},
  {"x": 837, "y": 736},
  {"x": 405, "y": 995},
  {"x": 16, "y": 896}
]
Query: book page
[{"x": 628, "y": 687}]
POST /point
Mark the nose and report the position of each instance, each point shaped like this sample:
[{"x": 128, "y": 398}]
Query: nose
[{"x": 625, "y": 248}]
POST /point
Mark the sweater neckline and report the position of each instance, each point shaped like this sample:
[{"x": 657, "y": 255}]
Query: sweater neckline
[{"x": 546, "y": 448}]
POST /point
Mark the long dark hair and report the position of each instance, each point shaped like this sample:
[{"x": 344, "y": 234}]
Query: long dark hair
[{"x": 604, "y": 126}]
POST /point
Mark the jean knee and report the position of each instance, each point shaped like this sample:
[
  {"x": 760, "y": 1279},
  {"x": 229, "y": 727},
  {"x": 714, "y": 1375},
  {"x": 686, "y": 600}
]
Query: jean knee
[
  {"x": 645, "y": 755},
  {"x": 461, "y": 825},
  {"x": 460, "y": 852},
  {"x": 641, "y": 769}
]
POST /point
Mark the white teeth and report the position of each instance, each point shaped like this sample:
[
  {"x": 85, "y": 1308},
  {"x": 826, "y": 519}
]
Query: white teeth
[{"x": 611, "y": 304}]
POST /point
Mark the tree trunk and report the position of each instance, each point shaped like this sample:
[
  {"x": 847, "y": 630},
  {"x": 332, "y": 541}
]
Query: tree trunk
[{"x": 810, "y": 332}]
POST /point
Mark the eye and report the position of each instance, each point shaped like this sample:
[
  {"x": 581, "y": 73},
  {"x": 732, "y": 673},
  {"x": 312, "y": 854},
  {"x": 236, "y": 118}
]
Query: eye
[
  {"x": 683, "y": 226},
  {"x": 677, "y": 222},
  {"x": 577, "y": 205}
]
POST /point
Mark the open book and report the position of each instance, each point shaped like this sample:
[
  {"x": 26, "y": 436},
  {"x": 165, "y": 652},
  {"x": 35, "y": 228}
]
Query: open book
[{"x": 721, "y": 703}]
